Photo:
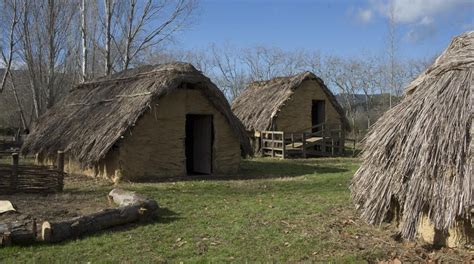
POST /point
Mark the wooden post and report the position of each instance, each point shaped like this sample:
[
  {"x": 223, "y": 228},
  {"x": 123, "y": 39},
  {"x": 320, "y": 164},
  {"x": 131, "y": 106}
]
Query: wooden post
[
  {"x": 14, "y": 175},
  {"x": 303, "y": 143},
  {"x": 60, "y": 169},
  {"x": 284, "y": 145},
  {"x": 354, "y": 147},
  {"x": 292, "y": 140},
  {"x": 340, "y": 141},
  {"x": 273, "y": 145},
  {"x": 332, "y": 146}
]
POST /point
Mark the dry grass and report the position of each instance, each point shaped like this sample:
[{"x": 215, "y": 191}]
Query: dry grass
[{"x": 418, "y": 155}]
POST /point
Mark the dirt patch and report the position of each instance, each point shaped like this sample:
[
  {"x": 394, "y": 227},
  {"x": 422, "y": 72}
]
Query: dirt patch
[
  {"x": 77, "y": 199},
  {"x": 355, "y": 235}
]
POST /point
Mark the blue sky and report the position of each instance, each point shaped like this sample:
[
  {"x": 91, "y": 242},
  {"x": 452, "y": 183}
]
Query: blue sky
[{"x": 345, "y": 28}]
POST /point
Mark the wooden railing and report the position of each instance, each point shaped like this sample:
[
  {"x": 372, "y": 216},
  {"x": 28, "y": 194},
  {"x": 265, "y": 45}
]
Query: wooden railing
[
  {"x": 317, "y": 140},
  {"x": 273, "y": 141},
  {"x": 9, "y": 145}
]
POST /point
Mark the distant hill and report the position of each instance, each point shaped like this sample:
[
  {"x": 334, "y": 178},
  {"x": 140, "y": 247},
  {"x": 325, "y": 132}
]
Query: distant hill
[{"x": 377, "y": 99}]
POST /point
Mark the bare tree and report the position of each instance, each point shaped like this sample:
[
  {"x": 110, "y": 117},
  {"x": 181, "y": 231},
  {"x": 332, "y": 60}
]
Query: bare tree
[
  {"x": 109, "y": 11},
  {"x": 13, "y": 6},
  {"x": 11, "y": 9},
  {"x": 391, "y": 51},
  {"x": 230, "y": 77},
  {"x": 147, "y": 24},
  {"x": 342, "y": 76},
  {"x": 45, "y": 28},
  {"x": 84, "y": 40}
]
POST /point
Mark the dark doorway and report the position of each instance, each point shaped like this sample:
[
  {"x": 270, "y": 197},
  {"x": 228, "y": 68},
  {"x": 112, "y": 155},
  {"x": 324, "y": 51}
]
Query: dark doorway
[
  {"x": 318, "y": 114},
  {"x": 199, "y": 142}
]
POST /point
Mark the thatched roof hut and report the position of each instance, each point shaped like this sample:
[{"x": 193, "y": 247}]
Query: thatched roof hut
[
  {"x": 284, "y": 103},
  {"x": 136, "y": 124},
  {"x": 418, "y": 157}
]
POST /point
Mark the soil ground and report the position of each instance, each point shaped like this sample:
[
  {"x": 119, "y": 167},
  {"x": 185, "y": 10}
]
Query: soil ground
[{"x": 58, "y": 206}]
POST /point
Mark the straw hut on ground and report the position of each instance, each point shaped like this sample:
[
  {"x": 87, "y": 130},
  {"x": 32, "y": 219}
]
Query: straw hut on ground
[
  {"x": 140, "y": 124},
  {"x": 295, "y": 105},
  {"x": 418, "y": 158}
]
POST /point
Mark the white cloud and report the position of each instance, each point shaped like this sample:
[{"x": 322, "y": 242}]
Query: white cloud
[
  {"x": 426, "y": 21},
  {"x": 422, "y": 16},
  {"x": 416, "y": 11},
  {"x": 364, "y": 15},
  {"x": 421, "y": 32}
]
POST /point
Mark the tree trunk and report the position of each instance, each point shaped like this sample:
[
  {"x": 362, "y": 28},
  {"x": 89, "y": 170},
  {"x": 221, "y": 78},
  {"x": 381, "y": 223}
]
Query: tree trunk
[
  {"x": 108, "y": 35},
  {"x": 124, "y": 198},
  {"x": 51, "y": 53},
  {"x": 133, "y": 208},
  {"x": 18, "y": 104},
  {"x": 84, "y": 41},
  {"x": 131, "y": 15},
  {"x": 8, "y": 61},
  {"x": 17, "y": 233}
]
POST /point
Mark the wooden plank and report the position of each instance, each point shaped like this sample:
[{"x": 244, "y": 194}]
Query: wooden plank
[
  {"x": 283, "y": 147},
  {"x": 60, "y": 168},
  {"x": 303, "y": 147},
  {"x": 14, "y": 175}
]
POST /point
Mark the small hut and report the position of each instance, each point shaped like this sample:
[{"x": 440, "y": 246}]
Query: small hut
[
  {"x": 292, "y": 116},
  {"x": 140, "y": 124},
  {"x": 417, "y": 165}
]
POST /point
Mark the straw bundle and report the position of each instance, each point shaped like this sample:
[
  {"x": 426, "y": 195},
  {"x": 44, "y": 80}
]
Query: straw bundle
[{"x": 417, "y": 158}]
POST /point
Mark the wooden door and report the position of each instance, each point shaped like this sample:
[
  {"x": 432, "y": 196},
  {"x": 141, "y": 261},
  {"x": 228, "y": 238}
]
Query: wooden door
[
  {"x": 199, "y": 142},
  {"x": 318, "y": 113}
]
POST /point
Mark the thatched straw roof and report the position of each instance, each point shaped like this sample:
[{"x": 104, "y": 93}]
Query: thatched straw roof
[
  {"x": 95, "y": 115},
  {"x": 419, "y": 155},
  {"x": 261, "y": 101}
]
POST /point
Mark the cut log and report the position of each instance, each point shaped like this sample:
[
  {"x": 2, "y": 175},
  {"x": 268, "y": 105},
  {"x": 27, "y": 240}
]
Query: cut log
[
  {"x": 6, "y": 206},
  {"x": 124, "y": 198},
  {"x": 135, "y": 208},
  {"x": 17, "y": 233}
]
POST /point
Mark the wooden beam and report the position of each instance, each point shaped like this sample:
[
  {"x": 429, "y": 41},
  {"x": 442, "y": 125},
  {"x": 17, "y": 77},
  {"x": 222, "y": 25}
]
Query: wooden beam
[{"x": 14, "y": 173}]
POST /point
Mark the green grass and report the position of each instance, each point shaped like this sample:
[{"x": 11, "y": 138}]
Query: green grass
[{"x": 284, "y": 211}]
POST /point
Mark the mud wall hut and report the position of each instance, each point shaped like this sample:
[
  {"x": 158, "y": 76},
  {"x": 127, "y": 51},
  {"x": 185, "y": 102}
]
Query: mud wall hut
[
  {"x": 152, "y": 121},
  {"x": 418, "y": 158},
  {"x": 290, "y": 104}
]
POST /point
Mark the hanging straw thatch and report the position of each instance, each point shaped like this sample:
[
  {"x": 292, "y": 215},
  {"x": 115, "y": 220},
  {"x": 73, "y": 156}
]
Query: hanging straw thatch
[
  {"x": 261, "y": 101},
  {"x": 95, "y": 115},
  {"x": 418, "y": 156}
]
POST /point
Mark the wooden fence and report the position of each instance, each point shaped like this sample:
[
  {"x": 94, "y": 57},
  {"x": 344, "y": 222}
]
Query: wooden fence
[
  {"x": 9, "y": 145},
  {"x": 17, "y": 178},
  {"x": 315, "y": 141}
]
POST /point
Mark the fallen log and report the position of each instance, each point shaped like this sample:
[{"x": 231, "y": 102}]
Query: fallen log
[
  {"x": 131, "y": 211},
  {"x": 123, "y": 198},
  {"x": 21, "y": 233}
]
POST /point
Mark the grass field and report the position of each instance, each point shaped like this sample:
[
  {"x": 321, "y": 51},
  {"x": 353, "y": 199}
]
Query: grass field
[{"x": 284, "y": 211}]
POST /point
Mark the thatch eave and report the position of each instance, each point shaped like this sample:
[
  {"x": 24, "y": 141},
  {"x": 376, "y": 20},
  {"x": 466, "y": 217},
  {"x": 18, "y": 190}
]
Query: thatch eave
[
  {"x": 418, "y": 157},
  {"x": 96, "y": 115},
  {"x": 261, "y": 101}
]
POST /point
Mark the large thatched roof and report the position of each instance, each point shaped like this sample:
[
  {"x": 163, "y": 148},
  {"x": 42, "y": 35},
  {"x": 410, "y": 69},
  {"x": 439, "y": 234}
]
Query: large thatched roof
[
  {"x": 261, "y": 101},
  {"x": 95, "y": 115},
  {"x": 419, "y": 155}
]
